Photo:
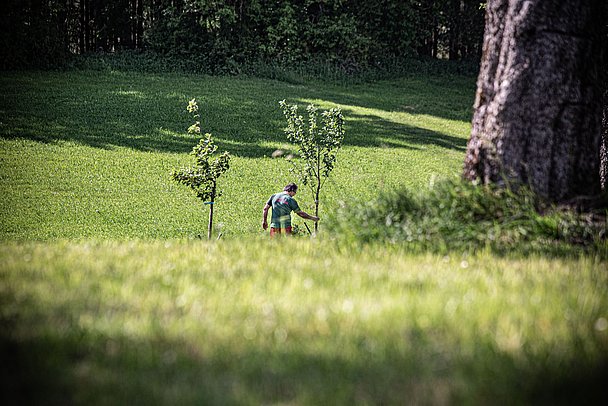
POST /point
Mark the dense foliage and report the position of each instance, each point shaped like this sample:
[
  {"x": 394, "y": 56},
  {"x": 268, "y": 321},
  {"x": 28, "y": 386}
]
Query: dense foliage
[
  {"x": 222, "y": 36},
  {"x": 465, "y": 216}
]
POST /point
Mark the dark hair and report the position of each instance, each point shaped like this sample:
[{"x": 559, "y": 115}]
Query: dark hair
[{"x": 291, "y": 187}]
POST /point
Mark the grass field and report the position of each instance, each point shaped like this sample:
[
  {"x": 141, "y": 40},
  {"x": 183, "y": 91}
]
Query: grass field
[
  {"x": 108, "y": 297},
  {"x": 90, "y": 154},
  {"x": 251, "y": 323}
]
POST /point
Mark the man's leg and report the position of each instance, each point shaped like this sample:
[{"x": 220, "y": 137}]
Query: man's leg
[{"x": 274, "y": 231}]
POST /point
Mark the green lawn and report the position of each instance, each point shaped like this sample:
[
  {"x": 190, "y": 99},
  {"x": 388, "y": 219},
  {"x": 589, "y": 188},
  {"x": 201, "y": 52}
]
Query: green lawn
[
  {"x": 107, "y": 297},
  {"x": 298, "y": 322},
  {"x": 89, "y": 154}
]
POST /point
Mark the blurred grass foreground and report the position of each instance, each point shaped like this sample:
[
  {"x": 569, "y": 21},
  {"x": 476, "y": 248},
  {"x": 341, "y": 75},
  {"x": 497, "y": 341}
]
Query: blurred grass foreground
[{"x": 297, "y": 322}]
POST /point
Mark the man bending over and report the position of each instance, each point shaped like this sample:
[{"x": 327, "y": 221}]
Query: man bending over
[{"x": 282, "y": 205}]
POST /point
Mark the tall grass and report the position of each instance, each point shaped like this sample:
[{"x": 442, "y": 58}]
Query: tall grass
[
  {"x": 297, "y": 322},
  {"x": 459, "y": 215}
]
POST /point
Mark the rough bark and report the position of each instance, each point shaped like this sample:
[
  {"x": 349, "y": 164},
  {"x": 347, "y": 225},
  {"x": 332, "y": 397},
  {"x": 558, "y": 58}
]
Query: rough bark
[
  {"x": 538, "y": 106},
  {"x": 604, "y": 143}
]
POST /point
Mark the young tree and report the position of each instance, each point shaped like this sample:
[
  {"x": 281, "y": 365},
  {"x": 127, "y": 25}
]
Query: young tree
[
  {"x": 538, "y": 106},
  {"x": 202, "y": 178},
  {"x": 317, "y": 145}
]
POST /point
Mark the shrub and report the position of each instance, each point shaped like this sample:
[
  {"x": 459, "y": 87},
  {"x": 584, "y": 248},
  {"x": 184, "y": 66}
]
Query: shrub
[{"x": 464, "y": 216}]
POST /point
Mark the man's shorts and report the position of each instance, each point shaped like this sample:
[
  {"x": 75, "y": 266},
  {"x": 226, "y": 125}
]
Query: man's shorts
[{"x": 275, "y": 230}]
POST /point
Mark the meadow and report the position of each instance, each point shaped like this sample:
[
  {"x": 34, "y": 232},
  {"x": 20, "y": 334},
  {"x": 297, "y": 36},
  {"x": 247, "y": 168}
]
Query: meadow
[
  {"x": 108, "y": 296},
  {"x": 256, "y": 322},
  {"x": 89, "y": 155}
]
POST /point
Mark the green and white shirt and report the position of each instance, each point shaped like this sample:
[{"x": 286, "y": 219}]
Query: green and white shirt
[{"x": 282, "y": 206}]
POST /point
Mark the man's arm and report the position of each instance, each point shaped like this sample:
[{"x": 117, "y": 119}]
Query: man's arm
[
  {"x": 307, "y": 216},
  {"x": 265, "y": 216}
]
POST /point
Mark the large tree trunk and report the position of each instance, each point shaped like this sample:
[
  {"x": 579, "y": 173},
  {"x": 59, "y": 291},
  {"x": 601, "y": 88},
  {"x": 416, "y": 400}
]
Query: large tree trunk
[
  {"x": 604, "y": 143},
  {"x": 538, "y": 106}
]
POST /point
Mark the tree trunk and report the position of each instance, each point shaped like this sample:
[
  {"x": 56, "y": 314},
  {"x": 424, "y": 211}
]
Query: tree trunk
[
  {"x": 604, "y": 143},
  {"x": 140, "y": 24},
  {"x": 210, "y": 225},
  {"x": 538, "y": 107},
  {"x": 88, "y": 31},
  {"x": 133, "y": 19},
  {"x": 317, "y": 194},
  {"x": 454, "y": 23},
  {"x": 435, "y": 42},
  {"x": 211, "y": 204},
  {"x": 81, "y": 31}
]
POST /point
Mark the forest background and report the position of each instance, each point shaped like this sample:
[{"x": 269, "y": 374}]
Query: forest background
[{"x": 235, "y": 36}]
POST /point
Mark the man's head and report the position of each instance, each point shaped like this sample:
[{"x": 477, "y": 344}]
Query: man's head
[{"x": 291, "y": 188}]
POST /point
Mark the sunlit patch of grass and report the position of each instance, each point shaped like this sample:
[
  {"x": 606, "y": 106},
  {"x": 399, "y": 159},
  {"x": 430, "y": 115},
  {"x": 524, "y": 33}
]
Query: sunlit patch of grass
[
  {"x": 300, "y": 322},
  {"x": 89, "y": 154}
]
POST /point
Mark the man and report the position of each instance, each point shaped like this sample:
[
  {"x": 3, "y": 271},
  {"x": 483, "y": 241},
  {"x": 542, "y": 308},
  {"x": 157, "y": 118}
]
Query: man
[{"x": 282, "y": 205}]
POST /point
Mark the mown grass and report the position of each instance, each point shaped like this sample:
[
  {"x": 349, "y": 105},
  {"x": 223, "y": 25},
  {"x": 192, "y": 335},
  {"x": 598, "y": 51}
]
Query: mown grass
[
  {"x": 89, "y": 154},
  {"x": 186, "y": 322}
]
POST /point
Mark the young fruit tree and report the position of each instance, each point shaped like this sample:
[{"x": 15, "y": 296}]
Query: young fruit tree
[
  {"x": 202, "y": 178},
  {"x": 318, "y": 145}
]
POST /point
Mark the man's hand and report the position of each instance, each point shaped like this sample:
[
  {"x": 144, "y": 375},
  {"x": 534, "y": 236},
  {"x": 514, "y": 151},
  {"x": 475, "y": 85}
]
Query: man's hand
[{"x": 265, "y": 225}]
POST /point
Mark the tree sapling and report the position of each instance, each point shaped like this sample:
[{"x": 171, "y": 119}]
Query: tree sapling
[
  {"x": 202, "y": 178},
  {"x": 317, "y": 145}
]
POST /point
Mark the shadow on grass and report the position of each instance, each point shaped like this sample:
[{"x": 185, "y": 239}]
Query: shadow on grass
[
  {"x": 373, "y": 131},
  {"x": 445, "y": 97},
  {"x": 88, "y": 368},
  {"x": 243, "y": 117},
  {"x": 362, "y": 131},
  {"x": 123, "y": 134}
]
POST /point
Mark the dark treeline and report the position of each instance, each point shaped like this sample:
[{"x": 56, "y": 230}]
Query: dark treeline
[{"x": 220, "y": 34}]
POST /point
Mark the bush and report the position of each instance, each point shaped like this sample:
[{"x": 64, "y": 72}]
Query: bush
[
  {"x": 135, "y": 61},
  {"x": 462, "y": 216}
]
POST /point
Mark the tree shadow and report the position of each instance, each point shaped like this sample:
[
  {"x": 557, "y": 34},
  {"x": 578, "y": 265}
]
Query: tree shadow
[
  {"x": 142, "y": 132},
  {"x": 373, "y": 131},
  {"x": 158, "y": 140},
  {"x": 91, "y": 368},
  {"x": 243, "y": 122},
  {"x": 446, "y": 97}
]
